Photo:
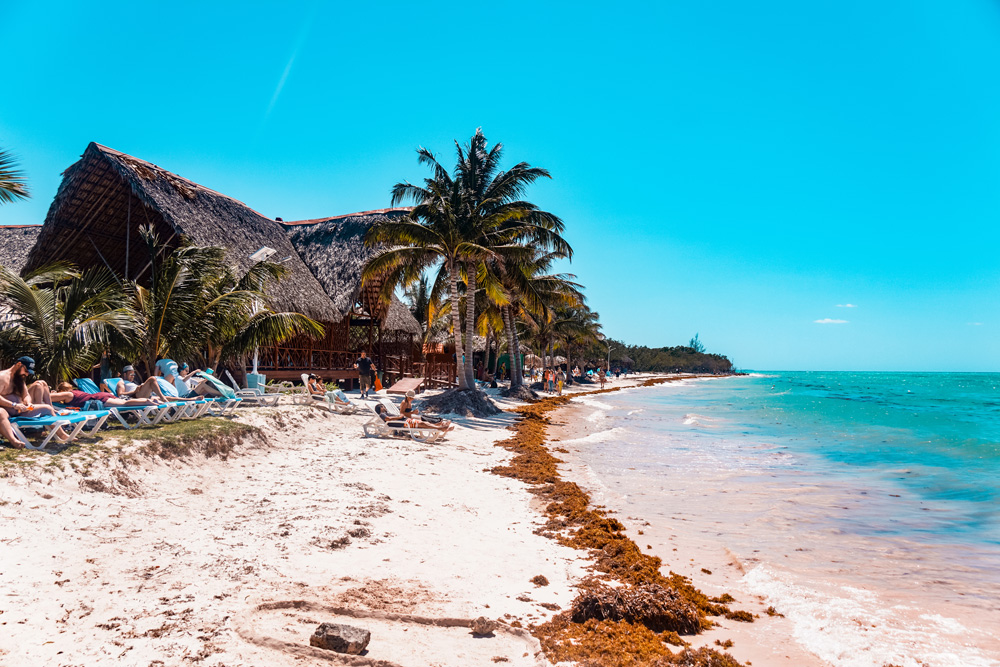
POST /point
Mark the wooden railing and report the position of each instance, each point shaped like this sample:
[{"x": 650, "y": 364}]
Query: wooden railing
[{"x": 437, "y": 374}]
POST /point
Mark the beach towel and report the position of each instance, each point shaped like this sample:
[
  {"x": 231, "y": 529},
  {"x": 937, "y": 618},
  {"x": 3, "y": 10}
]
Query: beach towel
[{"x": 218, "y": 385}]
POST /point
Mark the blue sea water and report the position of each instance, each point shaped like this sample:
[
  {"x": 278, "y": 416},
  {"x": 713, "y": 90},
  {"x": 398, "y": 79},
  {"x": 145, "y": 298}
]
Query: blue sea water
[{"x": 876, "y": 494}]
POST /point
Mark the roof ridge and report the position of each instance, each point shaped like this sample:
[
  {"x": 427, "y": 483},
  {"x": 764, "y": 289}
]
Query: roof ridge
[
  {"x": 187, "y": 181},
  {"x": 376, "y": 211}
]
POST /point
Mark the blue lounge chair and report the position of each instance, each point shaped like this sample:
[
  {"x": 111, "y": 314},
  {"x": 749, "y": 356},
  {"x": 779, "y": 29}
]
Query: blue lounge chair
[
  {"x": 145, "y": 415},
  {"x": 72, "y": 425}
]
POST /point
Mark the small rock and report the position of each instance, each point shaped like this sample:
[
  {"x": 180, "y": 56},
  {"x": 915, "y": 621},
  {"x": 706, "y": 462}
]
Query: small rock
[
  {"x": 483, "y": 626},
  {"x": 340, "y": 638}
]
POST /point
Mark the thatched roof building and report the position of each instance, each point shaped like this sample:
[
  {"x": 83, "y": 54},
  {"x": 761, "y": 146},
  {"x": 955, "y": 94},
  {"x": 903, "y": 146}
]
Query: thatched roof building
[
  {"x": 334, "y": 250},
  {"x": 16, "y": 241},
  {"x": 107, "y": 195}
]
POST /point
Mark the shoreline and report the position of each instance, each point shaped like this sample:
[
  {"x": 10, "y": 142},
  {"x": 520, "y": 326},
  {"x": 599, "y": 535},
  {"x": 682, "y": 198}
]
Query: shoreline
[
  {"x": 769, "y": 639},
  {"x": 178, "y": 558}
]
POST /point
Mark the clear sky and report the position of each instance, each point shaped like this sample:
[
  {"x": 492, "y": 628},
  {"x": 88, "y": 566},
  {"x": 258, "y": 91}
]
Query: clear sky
[{"x": 740, "y": 170}]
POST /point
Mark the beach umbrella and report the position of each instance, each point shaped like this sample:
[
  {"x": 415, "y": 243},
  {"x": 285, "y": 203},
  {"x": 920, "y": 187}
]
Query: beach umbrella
[{"x": 532, "y": 360}]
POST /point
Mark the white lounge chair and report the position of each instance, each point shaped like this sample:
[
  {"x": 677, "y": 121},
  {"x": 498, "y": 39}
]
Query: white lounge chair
[
  {"x": 397, "y": 428},
  {"x": 255, "y": 396}
]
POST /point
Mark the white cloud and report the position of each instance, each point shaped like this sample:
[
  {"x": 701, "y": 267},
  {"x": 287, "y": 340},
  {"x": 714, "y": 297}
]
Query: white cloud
[
  {"x": 975, "y": 324},
  {"x": 846, "y": 305},
  {"x": 827, "y": 320}
]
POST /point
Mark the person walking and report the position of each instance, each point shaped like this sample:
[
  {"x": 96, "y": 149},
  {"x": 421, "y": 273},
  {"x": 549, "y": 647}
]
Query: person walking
[{"x": 364, "y": 366}]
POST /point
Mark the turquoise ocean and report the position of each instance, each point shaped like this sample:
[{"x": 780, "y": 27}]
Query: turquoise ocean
[{"x": 864, "y": 506}]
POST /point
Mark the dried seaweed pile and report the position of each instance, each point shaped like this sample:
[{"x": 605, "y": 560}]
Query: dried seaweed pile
[{"x": 635, "y": 619}]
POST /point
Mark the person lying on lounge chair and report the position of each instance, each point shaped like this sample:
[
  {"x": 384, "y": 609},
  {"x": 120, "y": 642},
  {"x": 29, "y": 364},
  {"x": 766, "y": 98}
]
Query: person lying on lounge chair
[
  {"x": 19, "y": 399},
  {"x": 72, "y": 397},
  {"x": 127, "y": 388},
  {"x": 406, "y": 407},
  {"x": 172, "y": 379},
  {"x": 316, "y": 388},
  {"x": 413, "y": 422}
]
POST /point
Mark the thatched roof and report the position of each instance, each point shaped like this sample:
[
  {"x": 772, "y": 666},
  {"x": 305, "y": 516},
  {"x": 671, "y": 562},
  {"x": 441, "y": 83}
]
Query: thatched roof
[
  {"x": 16, "y": 241},
  {"x": 335, "y": 252},
  {"x": 107, "y": 195}
]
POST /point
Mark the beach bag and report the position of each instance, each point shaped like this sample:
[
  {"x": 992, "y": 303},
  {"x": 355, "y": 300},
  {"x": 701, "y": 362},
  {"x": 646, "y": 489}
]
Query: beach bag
[
  {"x": 93, "y": 405},
  {"x": 378, "y": 384}
]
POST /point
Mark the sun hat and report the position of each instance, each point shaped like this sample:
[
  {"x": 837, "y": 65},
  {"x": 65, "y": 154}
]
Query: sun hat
[
  {"x": 128, "y": 369},
  {"x": 410, "y": 394},
  {"x": 28, "y": 363}
]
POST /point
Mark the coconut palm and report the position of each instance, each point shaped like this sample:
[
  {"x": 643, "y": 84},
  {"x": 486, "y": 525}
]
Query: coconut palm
[
  {"x": 196, "y": 306},
  {"x": 460, "y": 221},
  {"x": 61, "y": 318},
  {"x": 533, "y": 294},
  {"x": 13, "y": 185},
  {"x": 241, "y": 317}
]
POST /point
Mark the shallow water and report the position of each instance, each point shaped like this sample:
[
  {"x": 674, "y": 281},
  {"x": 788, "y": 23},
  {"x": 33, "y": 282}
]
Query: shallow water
[{"x": 864, "y": 506}]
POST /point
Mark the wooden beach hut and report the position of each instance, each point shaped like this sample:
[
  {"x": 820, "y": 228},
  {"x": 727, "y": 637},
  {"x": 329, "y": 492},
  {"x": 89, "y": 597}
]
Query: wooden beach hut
[{"x": 107, "y": 195}]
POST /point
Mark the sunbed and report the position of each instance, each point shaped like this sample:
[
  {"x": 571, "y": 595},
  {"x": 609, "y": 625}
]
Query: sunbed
[
  {"x": 71, "y": 424},
  {"x": 256, "y": 396},
  {"x": 397, "y": 428},
  {"x": 145, "y": 415}
]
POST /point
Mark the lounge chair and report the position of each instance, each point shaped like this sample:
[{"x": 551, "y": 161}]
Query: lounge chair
[
  {"x": 145, "y": 415},
  {"x": 397, "y": 428},
  {"x": 306, "y": 397},
  {"x": 255, "y": 396},
  {"x": 72, "y": 425}
]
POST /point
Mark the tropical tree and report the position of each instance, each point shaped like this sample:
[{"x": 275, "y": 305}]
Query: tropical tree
[
  {"x": 533, "y": 294},
  {"x": 196, "y": 306},
  {"x": 61, "y": 318},
  {"x": 459, "y": 222},
  {"x": 13, "y": 184}
]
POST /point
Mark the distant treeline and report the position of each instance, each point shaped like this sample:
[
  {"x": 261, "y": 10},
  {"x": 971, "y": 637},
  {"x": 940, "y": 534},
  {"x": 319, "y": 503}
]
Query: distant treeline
[{"x": 679, "y": 359}]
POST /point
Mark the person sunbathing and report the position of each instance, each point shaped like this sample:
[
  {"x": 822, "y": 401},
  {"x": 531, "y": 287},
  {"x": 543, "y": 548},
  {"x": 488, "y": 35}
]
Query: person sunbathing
[
  {"x": 72, "y": 397},
  {"x": 406, "y": 407},
  {"x": 177, "y": 389},
  {"x": 128, "y": 388},
  {"x": 316, "y": 388},
  {"x": 412, "y": 422},
  {"x": 19, "y": 399}
]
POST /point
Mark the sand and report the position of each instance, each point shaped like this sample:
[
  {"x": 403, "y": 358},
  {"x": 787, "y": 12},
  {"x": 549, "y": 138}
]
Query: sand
[{"x": 234, "y": 561}]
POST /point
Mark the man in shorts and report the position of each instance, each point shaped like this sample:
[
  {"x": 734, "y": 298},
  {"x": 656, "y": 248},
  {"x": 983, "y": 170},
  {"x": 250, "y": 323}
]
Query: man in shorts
[{"x": 364, "y": 366}]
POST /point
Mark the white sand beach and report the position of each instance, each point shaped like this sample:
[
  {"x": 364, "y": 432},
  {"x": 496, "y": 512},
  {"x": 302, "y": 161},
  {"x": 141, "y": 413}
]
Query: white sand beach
[{"x": 170, "y": 564}]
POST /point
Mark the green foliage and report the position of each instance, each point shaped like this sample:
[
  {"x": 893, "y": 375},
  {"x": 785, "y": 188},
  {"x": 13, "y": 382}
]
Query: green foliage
[
  {"x": 13, "y": 184},
  {"x": 696, "y": 344},
  {"x": 62, "y": 319},
  {"x": 679, "y": 359},
  {"x": 196, "y": 307}
]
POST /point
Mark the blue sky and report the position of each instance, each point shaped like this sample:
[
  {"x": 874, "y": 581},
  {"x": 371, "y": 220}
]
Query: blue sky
[{"x": 734, "y": 169}]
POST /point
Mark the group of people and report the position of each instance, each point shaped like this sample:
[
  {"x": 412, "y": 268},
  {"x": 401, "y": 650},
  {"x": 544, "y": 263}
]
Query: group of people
[
  {"x": 554, "y": 380},
  {"x": 21, "y": 398}
]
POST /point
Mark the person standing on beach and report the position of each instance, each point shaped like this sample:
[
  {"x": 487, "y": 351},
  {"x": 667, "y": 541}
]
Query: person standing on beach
[
  {"x": 364, "y": 366},
  {"x": 602, "y": 376}
]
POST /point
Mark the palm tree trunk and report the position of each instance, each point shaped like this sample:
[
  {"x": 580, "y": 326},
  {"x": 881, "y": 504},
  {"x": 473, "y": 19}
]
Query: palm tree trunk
[
  {"x": 470, "y": 326},
  {"x": 456, "y": 327},
  {"x": 515, "y": 352},
  {"x": 507, "y": 324}
]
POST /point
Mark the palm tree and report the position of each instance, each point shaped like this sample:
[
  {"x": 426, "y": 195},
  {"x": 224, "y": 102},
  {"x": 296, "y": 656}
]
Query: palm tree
[
  {"x": 241, "y": 316},
  {"x": 197, "y": 306},
  {"x": 13, "y": 184},
  {"x": 533, "y": 295},
  {"x": 460, "y": 221},
  {"x": 61, "y": 318}
]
